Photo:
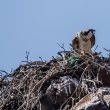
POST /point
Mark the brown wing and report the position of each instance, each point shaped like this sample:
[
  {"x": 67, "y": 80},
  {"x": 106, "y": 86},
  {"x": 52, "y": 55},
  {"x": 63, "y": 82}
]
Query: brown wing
[
  {"x": 92, "y": 40},
  {"x": 75, "y": 43}
]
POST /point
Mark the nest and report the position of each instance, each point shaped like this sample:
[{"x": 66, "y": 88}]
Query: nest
[{"x": 66, "y": 82}]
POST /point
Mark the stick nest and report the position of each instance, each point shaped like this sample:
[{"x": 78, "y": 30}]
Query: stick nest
[{"x": 56, "y": 84}]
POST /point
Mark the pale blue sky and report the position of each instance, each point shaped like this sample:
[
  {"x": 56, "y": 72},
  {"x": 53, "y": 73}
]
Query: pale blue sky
[{"x": 38, "y": 25}]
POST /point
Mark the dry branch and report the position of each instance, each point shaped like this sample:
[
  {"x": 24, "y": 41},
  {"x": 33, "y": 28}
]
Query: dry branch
[{"x": 65, "y": 85}]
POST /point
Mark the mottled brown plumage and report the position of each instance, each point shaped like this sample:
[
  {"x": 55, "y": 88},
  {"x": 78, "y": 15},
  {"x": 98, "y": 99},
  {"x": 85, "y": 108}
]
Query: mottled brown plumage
[{"x": 84, "y": 41}]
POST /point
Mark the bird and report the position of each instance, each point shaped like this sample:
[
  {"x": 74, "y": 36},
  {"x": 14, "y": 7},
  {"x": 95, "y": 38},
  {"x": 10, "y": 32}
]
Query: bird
[{"x": 84, "y": 41}]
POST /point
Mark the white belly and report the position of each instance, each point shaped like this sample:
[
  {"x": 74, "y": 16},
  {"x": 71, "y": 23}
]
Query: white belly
[{"x": 86, "y": 46}]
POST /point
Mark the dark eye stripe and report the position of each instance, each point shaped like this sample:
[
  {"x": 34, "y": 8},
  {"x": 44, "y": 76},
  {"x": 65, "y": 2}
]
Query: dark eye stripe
[{"x": 85, "y": 33}]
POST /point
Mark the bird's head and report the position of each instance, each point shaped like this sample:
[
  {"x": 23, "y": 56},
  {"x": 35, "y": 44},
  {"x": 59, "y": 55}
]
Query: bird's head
[{"x": 87, "y": 34}]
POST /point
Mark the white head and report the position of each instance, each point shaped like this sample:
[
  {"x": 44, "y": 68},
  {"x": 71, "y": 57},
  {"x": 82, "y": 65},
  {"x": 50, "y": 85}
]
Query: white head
[{"x": 87, "y": 34}]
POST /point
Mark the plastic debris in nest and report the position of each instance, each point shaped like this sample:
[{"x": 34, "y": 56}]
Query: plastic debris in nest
[{"x": 74, "y": 59}]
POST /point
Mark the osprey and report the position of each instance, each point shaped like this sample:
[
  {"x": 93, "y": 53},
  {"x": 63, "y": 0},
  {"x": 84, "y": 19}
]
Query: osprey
[{"x": 84, "y": 41}]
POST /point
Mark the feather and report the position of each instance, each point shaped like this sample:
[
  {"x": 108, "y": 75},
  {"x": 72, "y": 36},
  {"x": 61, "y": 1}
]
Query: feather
[
  {"x": 92, "y": 41},
  {"x": 75, "y": 43}
]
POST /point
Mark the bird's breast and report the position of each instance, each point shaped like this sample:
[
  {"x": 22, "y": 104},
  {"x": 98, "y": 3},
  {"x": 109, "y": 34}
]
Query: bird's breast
[{"x": 86, "y": 46}]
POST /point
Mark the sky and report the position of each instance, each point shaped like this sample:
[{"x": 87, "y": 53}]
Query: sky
[{"x": 38, "y": 26}]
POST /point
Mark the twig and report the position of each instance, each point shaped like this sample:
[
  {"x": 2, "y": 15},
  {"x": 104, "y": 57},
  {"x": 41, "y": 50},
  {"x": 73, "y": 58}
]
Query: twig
[
  {"x": 27, "y": 57},
  {"x": 108, "y": 50},
  {"x": 95, "y": 48},
  {"x": 3, "y": 71},
  {"x": 76, "y": 88},
  {"x": 41, "y": 59},
  {"x": 100, "y": 96},
  {"x": 62, "y": 46}
]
